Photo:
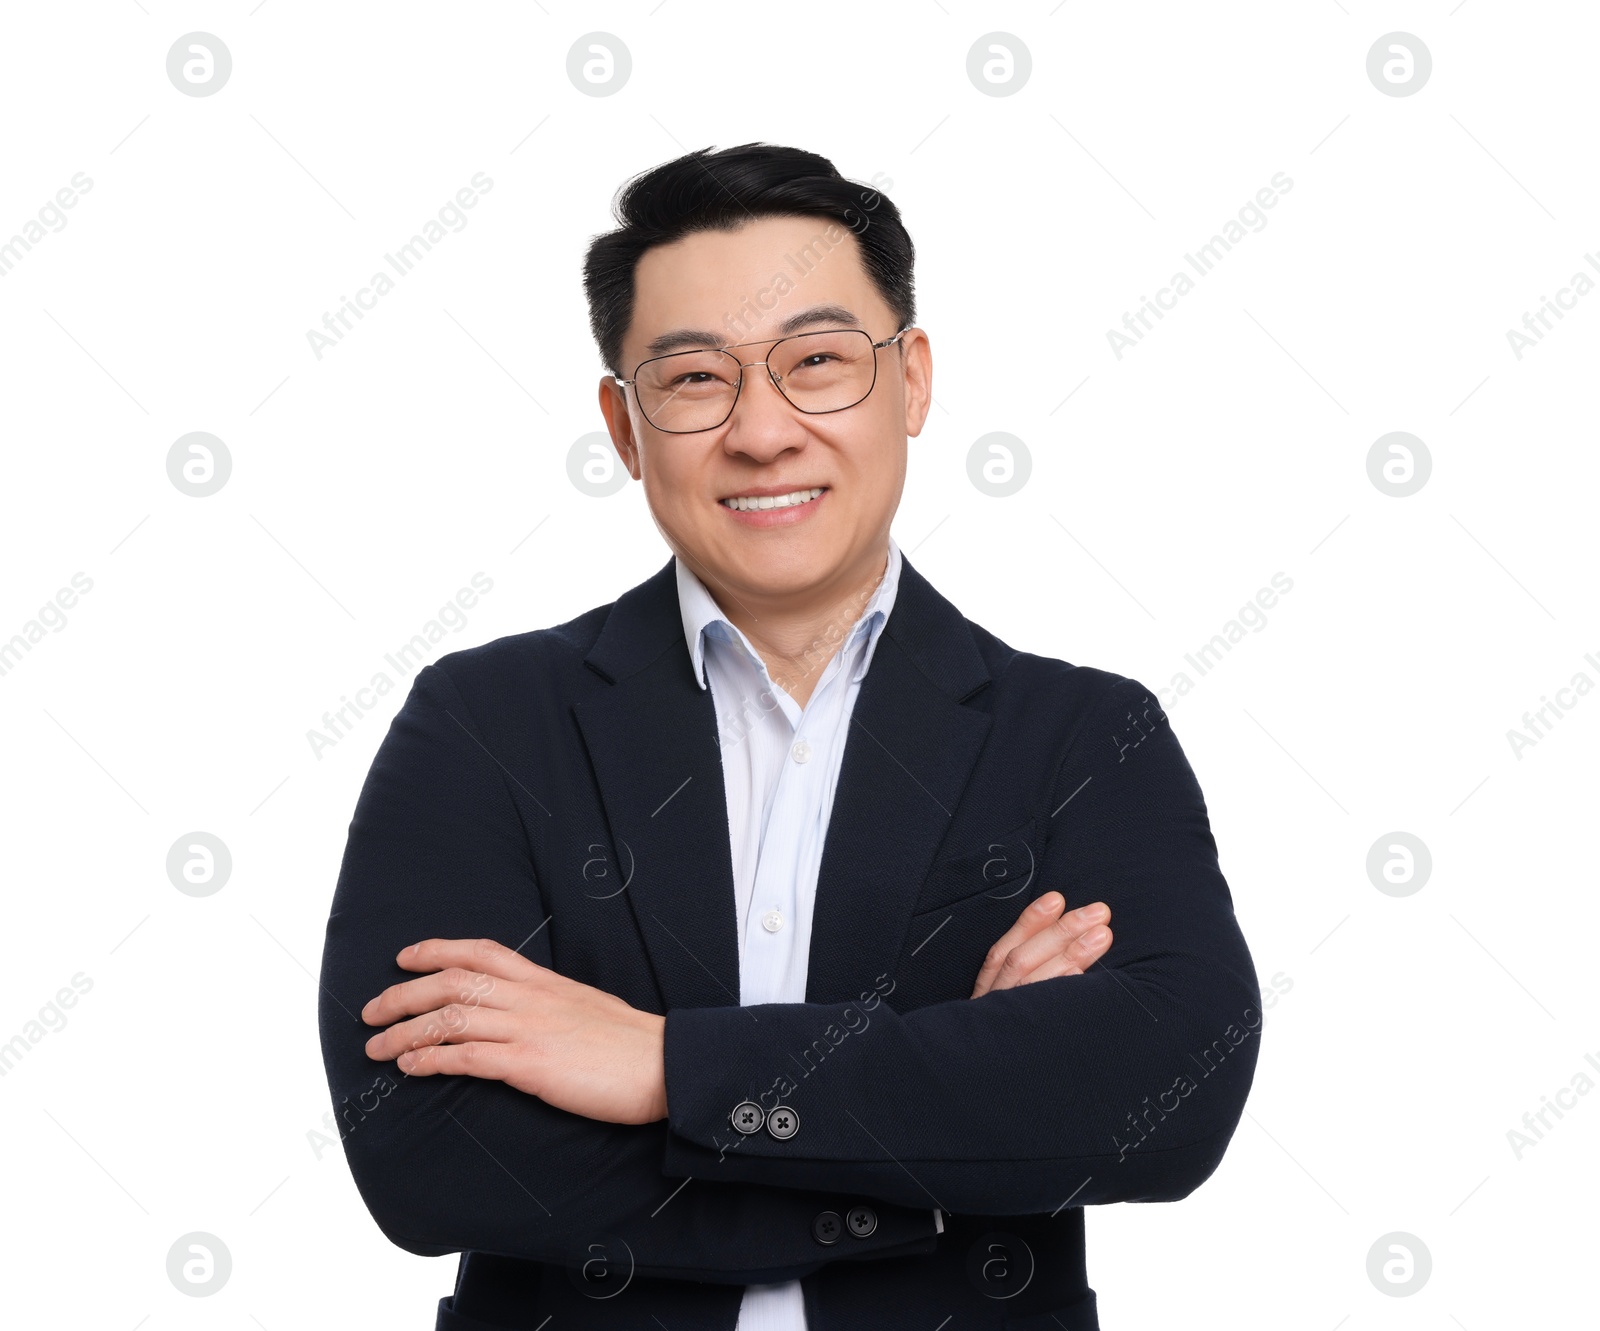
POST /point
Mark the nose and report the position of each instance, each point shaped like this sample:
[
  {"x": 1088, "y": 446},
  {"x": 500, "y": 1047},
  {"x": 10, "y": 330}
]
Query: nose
[{"x": 764, "y": 424}]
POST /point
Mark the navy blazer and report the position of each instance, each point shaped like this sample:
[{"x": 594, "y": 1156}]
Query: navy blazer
[{"x": 561, "y": 791}]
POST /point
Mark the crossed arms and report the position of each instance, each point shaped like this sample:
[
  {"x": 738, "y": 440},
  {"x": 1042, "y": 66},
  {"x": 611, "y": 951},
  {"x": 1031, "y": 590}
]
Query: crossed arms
[{"x": 1022, "y": 1100}]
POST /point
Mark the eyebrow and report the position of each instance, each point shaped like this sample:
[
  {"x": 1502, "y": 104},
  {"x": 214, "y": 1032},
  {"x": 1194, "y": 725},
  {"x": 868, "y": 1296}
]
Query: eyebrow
[{"x": 680, "y": 338}]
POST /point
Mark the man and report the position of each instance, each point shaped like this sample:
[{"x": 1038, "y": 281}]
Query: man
[{"x": 735, "y": 954}]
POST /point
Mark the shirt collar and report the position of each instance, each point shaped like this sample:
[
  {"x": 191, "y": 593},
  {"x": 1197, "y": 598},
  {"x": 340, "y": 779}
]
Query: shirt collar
[{"x": 702, "y": 615}]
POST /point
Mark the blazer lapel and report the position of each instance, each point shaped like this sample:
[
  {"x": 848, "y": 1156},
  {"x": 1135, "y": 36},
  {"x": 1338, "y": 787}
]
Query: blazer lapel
[
  {"x": 652, "y": 738},
  {"x": 911, "y": 748}
]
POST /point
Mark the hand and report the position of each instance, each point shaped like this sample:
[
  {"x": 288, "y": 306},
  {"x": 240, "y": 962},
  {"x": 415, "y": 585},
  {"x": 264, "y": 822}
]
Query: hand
[
  {"x": 489, "y": 1012},
  {"x": 1044, "y": 942}
]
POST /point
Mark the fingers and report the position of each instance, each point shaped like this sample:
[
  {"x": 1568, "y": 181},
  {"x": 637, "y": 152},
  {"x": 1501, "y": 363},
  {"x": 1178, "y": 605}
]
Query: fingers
[
  {"x": 1080, "y": 937},
  {"x": 1063, "y": 964},
  {"x": 1035, "y": 916},
  {"x": 496, "y": 1062},
  {"x": 453, "y": 985},
  {"x": 454, "y": 1023},
  {"x": 477, "y": 954}
]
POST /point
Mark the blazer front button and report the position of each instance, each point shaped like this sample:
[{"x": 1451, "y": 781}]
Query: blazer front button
[
  {"x": 747, "y": 1116},
  {"x": 783, "y": 1123},
  {"x": 826, "y": 1227},
  {"x": 861, "y": 1221}
]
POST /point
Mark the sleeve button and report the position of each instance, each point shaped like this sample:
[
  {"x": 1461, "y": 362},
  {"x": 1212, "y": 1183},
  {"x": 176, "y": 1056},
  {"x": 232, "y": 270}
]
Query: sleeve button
[
  {"x": 861, "y": 1221},
  {"x": 826, "y": 1227},
  {"x": 746, "y": 1116}
]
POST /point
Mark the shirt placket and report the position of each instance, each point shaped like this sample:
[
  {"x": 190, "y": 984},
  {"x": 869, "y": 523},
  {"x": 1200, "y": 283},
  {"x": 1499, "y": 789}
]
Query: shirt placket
[{"x": 775, "y": 906}]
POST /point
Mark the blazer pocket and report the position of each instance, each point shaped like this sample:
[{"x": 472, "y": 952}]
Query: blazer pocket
[{"x": 1002, "y": 869}]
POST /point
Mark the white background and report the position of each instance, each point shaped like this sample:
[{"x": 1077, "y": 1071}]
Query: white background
[{"x": 1229, "y": 445}]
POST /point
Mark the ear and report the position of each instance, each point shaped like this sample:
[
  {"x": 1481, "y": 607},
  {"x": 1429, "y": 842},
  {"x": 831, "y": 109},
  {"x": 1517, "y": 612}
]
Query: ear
[
  {"x": 918, "y": 375},
  {"x": 614, "y": 407}
]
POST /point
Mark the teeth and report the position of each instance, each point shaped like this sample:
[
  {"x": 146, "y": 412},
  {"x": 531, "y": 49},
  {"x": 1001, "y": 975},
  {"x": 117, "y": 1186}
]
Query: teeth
[{"x": 773, "y": 501}]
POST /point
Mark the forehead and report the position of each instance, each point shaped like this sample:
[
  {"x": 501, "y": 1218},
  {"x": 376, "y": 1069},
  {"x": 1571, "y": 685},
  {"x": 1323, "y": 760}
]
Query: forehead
[{"x": 744, "y": 284}]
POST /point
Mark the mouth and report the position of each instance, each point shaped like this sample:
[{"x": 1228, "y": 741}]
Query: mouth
[
  {"x": 763, "y": 502},
  {"x": 775, "y": 508}
]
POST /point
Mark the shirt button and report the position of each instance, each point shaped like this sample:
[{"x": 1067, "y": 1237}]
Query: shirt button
[
  {"x": 772, "y": 921},
  {"x": 801, "y": 752}
]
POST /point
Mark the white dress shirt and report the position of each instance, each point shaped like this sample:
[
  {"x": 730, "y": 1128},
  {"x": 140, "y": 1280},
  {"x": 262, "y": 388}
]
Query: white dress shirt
[{"x": 780, "y": 766}]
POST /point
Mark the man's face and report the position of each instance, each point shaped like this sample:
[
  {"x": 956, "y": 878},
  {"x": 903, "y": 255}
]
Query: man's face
[{"x": 741, "y": 287}]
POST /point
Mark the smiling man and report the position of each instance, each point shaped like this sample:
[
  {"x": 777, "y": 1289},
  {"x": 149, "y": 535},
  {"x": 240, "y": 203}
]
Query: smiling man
[{"x": 736, "y": 955}]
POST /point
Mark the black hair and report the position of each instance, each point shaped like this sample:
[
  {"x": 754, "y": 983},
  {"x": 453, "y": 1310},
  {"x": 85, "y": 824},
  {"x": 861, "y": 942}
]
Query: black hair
[{"x": 719, "y": 191}]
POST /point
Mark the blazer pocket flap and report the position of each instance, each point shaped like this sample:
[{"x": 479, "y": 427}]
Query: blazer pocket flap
[{"x": 1001, "y": 868}]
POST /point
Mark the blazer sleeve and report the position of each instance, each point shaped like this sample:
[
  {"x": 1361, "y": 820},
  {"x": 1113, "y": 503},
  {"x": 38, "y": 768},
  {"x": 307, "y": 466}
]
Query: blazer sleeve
[
  {"x": 1122, "y": 1084},
  {"x": 437, "y": 848}
]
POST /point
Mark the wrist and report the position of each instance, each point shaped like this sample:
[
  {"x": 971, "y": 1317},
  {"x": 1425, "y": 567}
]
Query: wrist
[{"x": 657, "y": 1064}]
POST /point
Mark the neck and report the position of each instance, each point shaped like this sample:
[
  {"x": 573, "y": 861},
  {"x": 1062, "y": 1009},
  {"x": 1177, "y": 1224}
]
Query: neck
[{"x": 797, "y": 639}]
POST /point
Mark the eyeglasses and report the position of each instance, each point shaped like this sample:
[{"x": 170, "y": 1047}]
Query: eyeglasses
[{"x": 817, "y": 373}]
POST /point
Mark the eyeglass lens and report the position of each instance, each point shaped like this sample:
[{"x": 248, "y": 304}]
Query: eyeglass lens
[{"x": 817, "y": 372}]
